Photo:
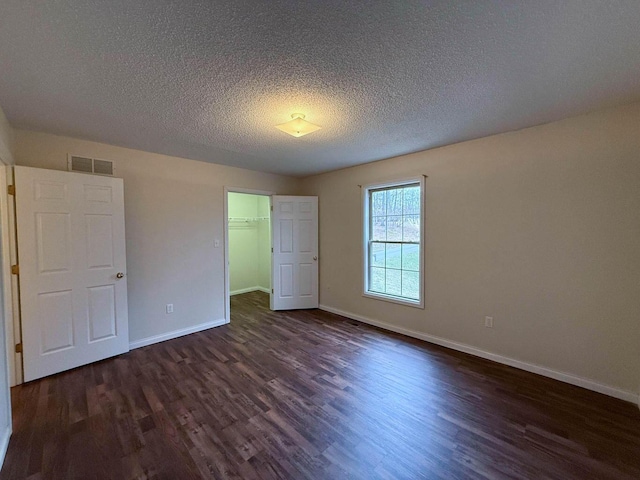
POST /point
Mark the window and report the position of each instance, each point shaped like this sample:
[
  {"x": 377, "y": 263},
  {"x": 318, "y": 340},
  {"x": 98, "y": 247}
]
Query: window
[{"x": 393, "y": 238}]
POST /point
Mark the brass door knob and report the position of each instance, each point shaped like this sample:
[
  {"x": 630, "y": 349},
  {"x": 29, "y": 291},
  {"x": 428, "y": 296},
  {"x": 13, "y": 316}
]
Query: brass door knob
[{"x": 119, "y": 275}]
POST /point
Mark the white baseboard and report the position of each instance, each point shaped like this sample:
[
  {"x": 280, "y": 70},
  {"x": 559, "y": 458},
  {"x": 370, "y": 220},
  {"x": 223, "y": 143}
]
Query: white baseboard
[
  {"x": 4, "y": 444},
  {"x": 175, "y": 334},
  {"x": 249, "y": 289},
  {"x": 529, "y": 367}
]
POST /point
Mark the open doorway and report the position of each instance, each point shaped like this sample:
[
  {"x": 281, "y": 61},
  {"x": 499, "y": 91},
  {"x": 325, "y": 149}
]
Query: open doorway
[
  {"x": 286, "y": 278},
  {"x": 248, "y": 249}
]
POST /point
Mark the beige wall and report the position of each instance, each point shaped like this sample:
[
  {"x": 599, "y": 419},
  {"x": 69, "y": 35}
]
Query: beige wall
[
  {"x": 174, "y": 213},
  {"x": 538, "y": 228},
  {"x": 7, "y": 140}
]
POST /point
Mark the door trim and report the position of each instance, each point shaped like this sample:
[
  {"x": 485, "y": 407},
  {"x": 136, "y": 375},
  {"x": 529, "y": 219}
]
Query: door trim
[
  {"x": 6, "y": 315},
  {"x": 225, "y": 219},
  {"x": 11, "y": 313}
]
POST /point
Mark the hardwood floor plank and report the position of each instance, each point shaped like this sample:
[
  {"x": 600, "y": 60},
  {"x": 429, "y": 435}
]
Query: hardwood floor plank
[{"x": 312, "y": 395}]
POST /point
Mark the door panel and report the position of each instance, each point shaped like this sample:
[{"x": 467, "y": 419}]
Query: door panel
[
  {"x": 306, "y": 279},
  {"x": 286, "y": 236},
  {"x": 45, "y": 190},
  {"x": 53, "y": 235},
  {"x": 306, "y": 236},
  {"x": 70, "y": 230},
  {"x": 99, "y": 241},
  {"x": 286, "y": 280},
  {"x": 57, "y": 331},
  {"x": 98, "y": 194},
  {"x": 102, "y": 312},
  {"x": 295, "y": 252}
]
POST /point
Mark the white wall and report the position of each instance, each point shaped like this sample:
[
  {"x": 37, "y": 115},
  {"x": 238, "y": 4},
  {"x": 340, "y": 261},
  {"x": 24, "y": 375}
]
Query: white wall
[
  {"x": 538, "y": 228},
  {"x": 6, "y": 158},
  {"x": 174, "y": 213},
  {"x": 249, "y": 243}
]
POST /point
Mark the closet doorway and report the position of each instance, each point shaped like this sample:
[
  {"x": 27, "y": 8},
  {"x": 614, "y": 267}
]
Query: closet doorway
[{"x": 248, "y": 232}]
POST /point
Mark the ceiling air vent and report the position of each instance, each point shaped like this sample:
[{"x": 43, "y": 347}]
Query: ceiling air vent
[{"x": 90, "y": 165}]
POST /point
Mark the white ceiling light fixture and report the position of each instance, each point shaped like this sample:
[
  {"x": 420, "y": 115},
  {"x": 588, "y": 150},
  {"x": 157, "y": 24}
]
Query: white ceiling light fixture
[{"x": 298, "y": 126}]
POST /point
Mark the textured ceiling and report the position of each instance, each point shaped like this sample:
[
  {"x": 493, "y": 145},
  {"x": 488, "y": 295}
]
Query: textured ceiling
[{"x": 208, "y": 80}]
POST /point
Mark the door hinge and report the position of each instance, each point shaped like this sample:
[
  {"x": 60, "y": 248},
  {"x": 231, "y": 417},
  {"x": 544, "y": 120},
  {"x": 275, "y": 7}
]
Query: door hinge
[
  {"x": 272, "y": 290},
  {"x": 15, "y": 269},
  {"x": 11, "y": 189},
  {"x": 272, "y": 208},
  {"x": 271, "y": 249},
  {"x": 19, "y": 347}
]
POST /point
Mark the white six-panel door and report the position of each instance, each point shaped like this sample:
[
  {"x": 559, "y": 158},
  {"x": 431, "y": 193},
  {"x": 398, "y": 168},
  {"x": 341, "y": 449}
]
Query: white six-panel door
[
  {"x": 71, "y": 253},
  {"x": 295, "y": 252}
]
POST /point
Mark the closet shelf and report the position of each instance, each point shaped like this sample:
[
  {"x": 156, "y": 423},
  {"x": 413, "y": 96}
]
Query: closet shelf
[{"x": 247, "y": 219}]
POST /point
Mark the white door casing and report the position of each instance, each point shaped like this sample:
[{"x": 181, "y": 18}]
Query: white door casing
[
  {"x": 295, "y": 252},
  {"x": 71, "y": 253}
]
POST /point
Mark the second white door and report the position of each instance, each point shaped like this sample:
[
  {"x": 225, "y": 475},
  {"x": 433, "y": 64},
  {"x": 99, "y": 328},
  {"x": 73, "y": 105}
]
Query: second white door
[{"x": 295, "y": 252}]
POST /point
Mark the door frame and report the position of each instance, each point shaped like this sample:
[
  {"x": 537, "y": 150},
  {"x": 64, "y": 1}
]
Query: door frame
[
  {"x": 7, "y": 311},
  {"x": 10, "y": 292},
  {"x": 227, "y": 190}
]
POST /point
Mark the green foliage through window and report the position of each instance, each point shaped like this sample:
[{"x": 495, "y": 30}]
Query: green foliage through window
[{"x": 394, "y": 241}]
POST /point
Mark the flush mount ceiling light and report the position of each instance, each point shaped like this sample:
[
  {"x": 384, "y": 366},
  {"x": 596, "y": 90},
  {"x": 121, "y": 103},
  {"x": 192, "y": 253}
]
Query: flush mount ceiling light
[{"x": 298, "y": 126}]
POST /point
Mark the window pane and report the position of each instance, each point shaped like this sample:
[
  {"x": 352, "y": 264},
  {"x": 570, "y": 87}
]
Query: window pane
[
  {"x": 411, "y": 257},
  {"x": 376, "y": 279},
  {"x": 379, "y": 228},
  {"x": 394, "y": 255},
  {"x": 411, "y": 228},
  {"x": 379, "y": 203},
  {"x": 394, "y": 201},
  {"x": 394, "y": 228},
  {"x": 394, "y": 280},
  {"x": 377, "y": 255},
  {"x": 394, "y": 242},
  {"x": 411, "y": 201},
  {"x": 411, "y": 285}
]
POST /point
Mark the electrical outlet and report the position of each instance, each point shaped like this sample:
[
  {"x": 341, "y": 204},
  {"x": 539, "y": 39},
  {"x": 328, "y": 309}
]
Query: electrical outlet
[
  {"x": 488, "y": 322},
  {"x": 169, "y": 307}
]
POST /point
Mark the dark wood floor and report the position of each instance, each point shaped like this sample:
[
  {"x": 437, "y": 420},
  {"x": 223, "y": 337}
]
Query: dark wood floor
[{"x": 309, "y": 394}]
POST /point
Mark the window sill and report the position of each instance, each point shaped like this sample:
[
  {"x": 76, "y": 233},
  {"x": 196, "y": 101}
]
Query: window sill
[{"x": 391, "y": 299}]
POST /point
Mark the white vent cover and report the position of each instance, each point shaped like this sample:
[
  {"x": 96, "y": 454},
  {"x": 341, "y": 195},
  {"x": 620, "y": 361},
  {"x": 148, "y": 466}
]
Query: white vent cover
[{"x": 90, "y": 165}]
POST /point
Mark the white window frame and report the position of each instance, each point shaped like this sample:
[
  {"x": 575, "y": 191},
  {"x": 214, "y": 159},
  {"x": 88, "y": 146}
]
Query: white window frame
[{"x": 366, "y": 242}]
